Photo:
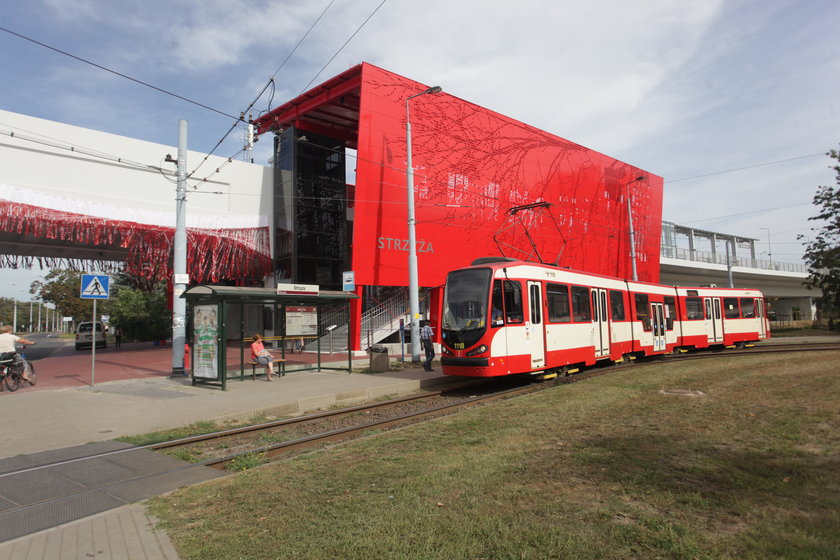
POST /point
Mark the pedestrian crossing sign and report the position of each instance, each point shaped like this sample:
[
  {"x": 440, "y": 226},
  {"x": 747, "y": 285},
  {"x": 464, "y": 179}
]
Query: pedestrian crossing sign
[{"x": 95, "y": 286}]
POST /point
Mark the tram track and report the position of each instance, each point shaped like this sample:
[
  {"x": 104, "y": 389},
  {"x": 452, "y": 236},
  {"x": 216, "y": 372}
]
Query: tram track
[
  {"x": 218, "y": 449},
  {"x": 222, "y": 450},
  {"x": 286, "y": 438},
  {"x": 309, "y": 431}
]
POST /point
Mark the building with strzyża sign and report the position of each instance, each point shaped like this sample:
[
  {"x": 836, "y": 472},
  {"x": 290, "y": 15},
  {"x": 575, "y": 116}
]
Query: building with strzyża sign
[{"x": 335, "y": 200}]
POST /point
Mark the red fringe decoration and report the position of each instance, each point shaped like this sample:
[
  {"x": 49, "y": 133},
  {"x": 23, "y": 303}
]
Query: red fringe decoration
[{"x": 212, "y": 254}]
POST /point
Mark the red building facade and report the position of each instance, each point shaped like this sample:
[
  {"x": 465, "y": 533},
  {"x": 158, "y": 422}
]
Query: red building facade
[{"x": 472, "y": 166}]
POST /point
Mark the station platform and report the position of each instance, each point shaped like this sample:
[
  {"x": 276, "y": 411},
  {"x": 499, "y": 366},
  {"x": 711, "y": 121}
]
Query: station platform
[{"x": 136, "y": 395}]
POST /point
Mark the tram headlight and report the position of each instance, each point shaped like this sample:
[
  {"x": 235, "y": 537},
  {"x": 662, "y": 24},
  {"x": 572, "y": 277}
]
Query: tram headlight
[
  {"x": 476, "y": 351},
  {"x": 445, "y": 351}
]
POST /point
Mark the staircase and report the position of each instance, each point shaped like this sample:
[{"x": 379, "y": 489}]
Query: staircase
[
  {"x": 378, "y": 323},
  {"x": 383, "y": 320}
]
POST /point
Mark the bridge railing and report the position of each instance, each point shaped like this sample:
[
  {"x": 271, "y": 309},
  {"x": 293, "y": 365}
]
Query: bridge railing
[{"x": 720, "y": 258}]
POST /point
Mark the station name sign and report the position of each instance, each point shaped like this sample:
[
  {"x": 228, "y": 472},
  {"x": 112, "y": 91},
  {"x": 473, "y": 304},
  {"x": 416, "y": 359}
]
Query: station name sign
[{"x": 298, "y": 289}]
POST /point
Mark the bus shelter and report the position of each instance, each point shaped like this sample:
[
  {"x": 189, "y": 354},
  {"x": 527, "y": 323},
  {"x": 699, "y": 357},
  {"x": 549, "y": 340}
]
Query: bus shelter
[{"x": 304, "y": 328}]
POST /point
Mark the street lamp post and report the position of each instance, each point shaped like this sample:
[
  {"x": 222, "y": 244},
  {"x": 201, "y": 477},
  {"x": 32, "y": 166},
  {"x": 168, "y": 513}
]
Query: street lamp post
[
  {"x": 769, "y": 250},
  {"x": 632, "y": 231},
  {"x": 413, "y": 283}
]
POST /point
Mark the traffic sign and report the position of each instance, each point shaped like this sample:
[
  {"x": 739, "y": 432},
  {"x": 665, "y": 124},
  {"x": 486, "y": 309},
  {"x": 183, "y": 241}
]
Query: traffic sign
[
  {"x": 348, "y": 281},
  {"x": 95, "y": 286}
]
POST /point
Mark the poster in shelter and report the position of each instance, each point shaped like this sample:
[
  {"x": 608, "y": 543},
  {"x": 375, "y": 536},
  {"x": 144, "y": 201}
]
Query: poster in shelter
[
  {"x": 205, "y": 342},
  {"x": 301, "y": 321}
]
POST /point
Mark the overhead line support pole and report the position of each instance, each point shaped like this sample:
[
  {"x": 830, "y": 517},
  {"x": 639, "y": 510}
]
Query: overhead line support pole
[
  {"x": 179, "y": 257},
  {"x": 413, "y": 281}
]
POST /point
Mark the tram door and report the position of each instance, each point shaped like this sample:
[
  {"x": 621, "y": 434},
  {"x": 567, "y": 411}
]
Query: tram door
[
  {"x": 762, "y": 318},
  {"x": 536, "y": 331},
  {"x": 601, "y": 323},
  {"x": 657, "y": 314},
  {"x": 714, "y": 320}
]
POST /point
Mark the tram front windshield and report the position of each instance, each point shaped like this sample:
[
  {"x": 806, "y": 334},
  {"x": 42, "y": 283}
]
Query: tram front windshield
[{"x": 465, "y": 305}]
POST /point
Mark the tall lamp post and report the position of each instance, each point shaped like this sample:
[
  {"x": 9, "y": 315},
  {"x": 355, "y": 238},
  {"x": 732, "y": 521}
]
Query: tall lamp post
[
  {"x": 769, "y": 250},
  {"x": 632, "y": 231},
  {"x": 413, "y": 283}
]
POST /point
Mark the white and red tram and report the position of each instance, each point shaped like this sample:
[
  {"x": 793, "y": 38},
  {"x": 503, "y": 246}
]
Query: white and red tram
[{"x": 503, "y": 317}]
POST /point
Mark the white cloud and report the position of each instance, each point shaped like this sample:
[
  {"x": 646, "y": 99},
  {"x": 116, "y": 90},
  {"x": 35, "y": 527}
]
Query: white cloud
[{"x": 677, "y": 88}]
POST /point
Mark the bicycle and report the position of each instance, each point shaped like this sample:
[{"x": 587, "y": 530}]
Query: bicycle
[
  {"x": 11, "y": 372},
  {"x": 28, "y": 368},
  {"x": 12, "y": 368}
]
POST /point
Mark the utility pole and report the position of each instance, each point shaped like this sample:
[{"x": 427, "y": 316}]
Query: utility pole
[
  {"x": 413, "y": 279},
  {"x": 179, "y": 258},
  {"x": 729, "y": 265},
  {"x": 632, "y": 230}
]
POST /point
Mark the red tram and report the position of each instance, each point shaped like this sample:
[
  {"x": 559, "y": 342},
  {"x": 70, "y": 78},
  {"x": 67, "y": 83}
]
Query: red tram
[{"x": 503, "y": 316}]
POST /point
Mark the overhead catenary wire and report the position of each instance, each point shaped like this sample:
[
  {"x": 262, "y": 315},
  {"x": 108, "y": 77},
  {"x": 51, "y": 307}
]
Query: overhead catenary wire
[
  {"x": 306, "y": 87},
  {"x": 669, "y": 181},
  {"x": 59, "y": 144},
  {"x": 120, "y": 74},
  {"x": 75, "y": 148},
  {"x": 270, "y": 82}
]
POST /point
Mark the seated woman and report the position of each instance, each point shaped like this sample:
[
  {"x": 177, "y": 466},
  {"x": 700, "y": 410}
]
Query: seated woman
[{"x": 260, "y": 355}]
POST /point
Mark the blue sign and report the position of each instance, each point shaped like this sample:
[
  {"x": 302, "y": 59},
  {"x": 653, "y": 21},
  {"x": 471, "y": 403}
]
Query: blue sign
[
  {"x": 95, "y": 286},
  {"x": 348, "y": 281}
]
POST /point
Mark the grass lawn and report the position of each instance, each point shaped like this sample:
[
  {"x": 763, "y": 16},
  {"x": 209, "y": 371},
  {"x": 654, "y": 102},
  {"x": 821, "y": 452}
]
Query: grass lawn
[{"x": 609, "y": 468}]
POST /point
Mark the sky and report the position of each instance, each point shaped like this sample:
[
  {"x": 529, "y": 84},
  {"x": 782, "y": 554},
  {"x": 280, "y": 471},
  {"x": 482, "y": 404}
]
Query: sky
[{"x": 733, "y": 103}]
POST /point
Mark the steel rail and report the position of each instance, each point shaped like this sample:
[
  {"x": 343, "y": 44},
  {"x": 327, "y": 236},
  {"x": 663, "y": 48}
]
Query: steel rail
[{"x": 343, "y": 433}]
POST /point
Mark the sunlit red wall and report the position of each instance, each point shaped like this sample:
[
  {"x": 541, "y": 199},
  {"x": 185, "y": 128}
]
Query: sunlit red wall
[{"x": 471, "y": 166}]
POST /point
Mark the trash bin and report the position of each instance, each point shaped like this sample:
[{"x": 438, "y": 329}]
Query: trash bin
[{"x": 379, "y": 359}]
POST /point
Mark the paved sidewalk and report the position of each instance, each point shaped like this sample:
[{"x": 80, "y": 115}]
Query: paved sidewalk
[
  {"x": 126, "y": 533},
  {"x": 59, "y": 418}
]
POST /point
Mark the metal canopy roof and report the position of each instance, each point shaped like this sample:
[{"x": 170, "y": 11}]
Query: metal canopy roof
[
  {"x": 331, "y": 109},
  {"x": 265, "y": 294}
]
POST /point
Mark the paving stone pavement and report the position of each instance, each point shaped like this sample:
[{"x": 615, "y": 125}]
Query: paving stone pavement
[{"x": 125, "y": 533}]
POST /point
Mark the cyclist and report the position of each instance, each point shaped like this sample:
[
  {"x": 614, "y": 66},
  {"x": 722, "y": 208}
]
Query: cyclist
[{"x": 7, "y": 345}]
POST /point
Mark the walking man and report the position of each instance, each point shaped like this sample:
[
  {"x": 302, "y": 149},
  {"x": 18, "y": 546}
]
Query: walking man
[{"x": 426, "y": 340}]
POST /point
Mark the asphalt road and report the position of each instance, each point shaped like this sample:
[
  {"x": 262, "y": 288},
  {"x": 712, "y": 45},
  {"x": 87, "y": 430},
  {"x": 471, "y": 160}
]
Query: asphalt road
[{"x": 47, "y": 345}]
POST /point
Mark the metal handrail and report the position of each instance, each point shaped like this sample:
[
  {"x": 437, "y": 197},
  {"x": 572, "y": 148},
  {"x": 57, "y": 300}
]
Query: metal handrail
[{"x": 719, "y": 258}]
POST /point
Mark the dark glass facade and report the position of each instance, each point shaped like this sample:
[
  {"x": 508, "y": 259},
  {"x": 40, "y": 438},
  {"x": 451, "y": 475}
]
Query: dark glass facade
[{"x": 310, "y": 209}]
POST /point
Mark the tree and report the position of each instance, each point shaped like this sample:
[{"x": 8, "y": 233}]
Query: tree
[
  {"x": 822, "y": 251},
  {"x": 142, "y": 315}
]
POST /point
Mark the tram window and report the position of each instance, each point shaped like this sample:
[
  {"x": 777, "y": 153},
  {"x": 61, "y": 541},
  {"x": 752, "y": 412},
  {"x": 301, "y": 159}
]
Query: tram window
[
  {"x": 534, "y": 304},
  {"x": 730, "y": 308},
  {"x": 497, "y": 311},
  {"x": 694, "y": 308},
  {"x": 513, "y": 301},
  {"x": 617, "y": 305},
  {"x": 580, "y": 303},
  {"x": 670, "y": 312},
  {"x": 642, "y": 310},
  {"x": 603, "y": 294},
  {"x": 747, "y": 308},
  {"x": 558, "y": 303}
]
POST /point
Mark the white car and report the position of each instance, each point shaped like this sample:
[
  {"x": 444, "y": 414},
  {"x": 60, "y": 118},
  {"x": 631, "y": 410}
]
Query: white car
[{"x": 85, "y": 336}]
